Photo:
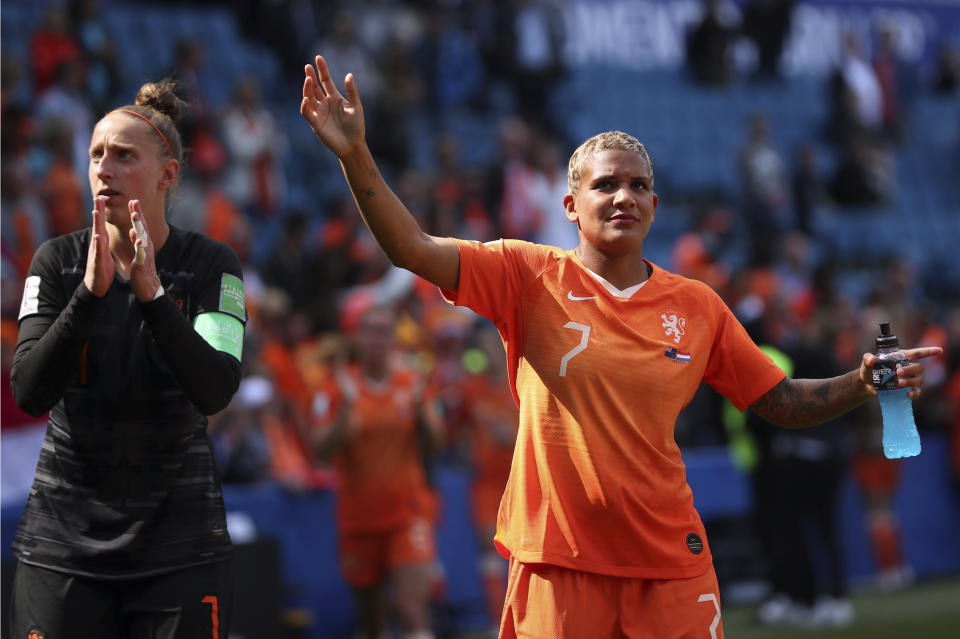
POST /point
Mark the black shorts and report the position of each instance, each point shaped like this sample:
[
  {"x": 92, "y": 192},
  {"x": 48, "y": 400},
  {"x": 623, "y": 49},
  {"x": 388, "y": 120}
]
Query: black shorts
[{"x": 192, "y": 603}]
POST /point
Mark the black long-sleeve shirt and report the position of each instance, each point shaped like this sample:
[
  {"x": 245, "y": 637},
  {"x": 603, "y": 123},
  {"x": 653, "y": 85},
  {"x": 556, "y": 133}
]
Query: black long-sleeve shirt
[{"x": 126, "y": 484}]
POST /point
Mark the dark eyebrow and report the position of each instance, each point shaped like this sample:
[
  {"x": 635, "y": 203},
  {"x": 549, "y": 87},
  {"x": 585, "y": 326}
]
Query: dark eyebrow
[
  {"x": 604, "y": 176},
  {"x": 613, "y": 176}
]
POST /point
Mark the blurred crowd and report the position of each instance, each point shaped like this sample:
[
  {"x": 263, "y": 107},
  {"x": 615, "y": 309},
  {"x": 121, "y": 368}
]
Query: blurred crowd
[{"x": 311, "y": 270}]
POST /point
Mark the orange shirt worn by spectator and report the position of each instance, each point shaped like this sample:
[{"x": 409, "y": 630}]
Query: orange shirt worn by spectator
[
  {"x": 285, "y": 428},
  {"x": 493, "y": 420},
  {"x": 52, "y": 45},
  {"x": 376, "y": 413},
  {"x": 63, "y": 198},
  {"x": 383, "y": 483}
]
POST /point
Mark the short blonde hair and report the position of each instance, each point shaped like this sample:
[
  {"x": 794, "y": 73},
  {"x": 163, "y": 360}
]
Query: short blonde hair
[{"x": 606, "y": 141}]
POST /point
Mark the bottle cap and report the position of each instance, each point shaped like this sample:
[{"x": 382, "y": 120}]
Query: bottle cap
[{"x": 887, "y": 339}]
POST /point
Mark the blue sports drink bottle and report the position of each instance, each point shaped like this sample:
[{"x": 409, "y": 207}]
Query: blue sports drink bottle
[{"x": 900, "y": 437}]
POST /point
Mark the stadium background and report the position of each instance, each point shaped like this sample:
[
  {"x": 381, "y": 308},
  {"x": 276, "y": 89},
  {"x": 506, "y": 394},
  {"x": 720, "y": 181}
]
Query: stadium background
[{"x": 446, "y": 93}]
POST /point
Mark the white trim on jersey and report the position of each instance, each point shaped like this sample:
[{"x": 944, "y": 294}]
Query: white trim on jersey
[{"x": 626, "y": 293}]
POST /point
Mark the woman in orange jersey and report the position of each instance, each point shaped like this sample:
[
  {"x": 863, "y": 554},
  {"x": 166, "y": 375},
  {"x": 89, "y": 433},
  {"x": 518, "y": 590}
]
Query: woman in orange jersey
[
  {"x": 377, "y": 414},
  {"x": 604, "y": 349}
]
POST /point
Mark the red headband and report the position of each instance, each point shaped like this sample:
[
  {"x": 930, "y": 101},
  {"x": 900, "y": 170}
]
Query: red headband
[{"x": 155, "y": 127}]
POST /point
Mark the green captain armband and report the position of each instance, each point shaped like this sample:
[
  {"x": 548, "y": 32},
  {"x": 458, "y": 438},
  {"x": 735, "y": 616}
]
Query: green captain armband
[
  {"x": 231, "y": 296},
  {"x": 223, "y": 332}
]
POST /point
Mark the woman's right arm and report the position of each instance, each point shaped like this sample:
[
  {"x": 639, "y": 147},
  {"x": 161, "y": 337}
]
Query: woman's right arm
[
  {"x": 53, "y": 330},
  {"x": 50, "y": 349},
  {"x": 338, "y": 122}
]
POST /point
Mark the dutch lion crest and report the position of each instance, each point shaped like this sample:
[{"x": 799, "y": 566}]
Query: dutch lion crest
[{"x": 673, "y": 324}]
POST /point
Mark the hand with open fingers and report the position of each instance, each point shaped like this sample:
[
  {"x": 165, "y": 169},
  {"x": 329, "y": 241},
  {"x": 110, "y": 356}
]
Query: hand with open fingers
[
  {"x": 100, "y": 267},
  {"x": 144, "y": 280},
  {"x": 349, "y": 391},
  {"x": 910, "y": 376},
  {"x": 336, "y": 120}
]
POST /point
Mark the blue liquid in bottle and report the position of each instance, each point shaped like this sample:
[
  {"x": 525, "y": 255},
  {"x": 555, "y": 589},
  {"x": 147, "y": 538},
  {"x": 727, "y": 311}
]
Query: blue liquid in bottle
[{"x": 900, "y": 437}]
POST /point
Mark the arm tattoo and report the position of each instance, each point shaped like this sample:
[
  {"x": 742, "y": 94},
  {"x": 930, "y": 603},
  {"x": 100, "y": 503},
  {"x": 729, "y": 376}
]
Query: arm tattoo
[
  {"x": 823, "y": 391},
  {"x": 369, "y": 193},
  {"x": 795, "y": 403},
  {"x": 777, "y": 404}
]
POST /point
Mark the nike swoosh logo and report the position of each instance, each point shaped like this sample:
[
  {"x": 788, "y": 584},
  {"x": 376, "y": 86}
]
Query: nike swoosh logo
[{"x": 574, "y": 298}]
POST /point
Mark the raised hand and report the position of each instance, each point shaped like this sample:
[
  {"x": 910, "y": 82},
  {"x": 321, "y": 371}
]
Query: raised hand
[
  {"x": 336, "y": 120},
  {"x": 143, "y": 276},
  {"x": 911, "y": 375},
  {"x": 348, "y": 388},
  {"x": 100, "y": 267}
]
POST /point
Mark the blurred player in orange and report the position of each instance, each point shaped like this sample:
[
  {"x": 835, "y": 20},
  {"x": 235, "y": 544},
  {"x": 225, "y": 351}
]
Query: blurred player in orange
[
  {"x": 492, "y": 419},
  {"x": 604, "y": 349},
  {"x": 376, "y": 416}
]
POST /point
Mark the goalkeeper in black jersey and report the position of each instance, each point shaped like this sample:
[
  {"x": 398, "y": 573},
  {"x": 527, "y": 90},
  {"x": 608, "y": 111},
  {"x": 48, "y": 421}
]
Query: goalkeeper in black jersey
[{"x": 130, "y": 333}]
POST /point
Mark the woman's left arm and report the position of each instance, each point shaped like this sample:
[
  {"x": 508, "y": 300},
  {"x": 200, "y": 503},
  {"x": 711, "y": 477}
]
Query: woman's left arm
[
  {"x": 796, "y": 403},
  {"x": 208, "y": 376}
]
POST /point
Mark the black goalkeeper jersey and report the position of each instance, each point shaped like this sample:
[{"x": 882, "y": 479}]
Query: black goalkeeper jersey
[{"x": 126, "y": 484}]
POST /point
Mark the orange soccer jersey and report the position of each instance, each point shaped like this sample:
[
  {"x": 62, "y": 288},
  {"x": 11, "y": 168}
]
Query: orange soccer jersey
[
  {"x": 597, "y": 481},
  {"x": 383, "y": 482}
]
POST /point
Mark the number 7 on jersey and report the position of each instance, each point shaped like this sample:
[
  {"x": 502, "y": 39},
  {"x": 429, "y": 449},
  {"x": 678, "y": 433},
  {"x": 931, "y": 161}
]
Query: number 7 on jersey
[{"x": 579, "y": 348}]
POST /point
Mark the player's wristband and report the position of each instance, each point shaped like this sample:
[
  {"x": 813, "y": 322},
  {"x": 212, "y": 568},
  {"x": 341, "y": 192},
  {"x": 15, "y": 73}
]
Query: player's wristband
[{"x": 159, "y": 293}]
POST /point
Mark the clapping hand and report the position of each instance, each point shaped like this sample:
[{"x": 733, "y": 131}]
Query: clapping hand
[
  {"x": 100, "y": 268},
  {"x": 143, "y": 270}
]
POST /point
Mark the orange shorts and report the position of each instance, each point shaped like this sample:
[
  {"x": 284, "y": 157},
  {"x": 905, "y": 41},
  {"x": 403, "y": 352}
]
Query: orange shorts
[
  {"x": 550, "y": 602},
  {"x": 367, "y": 557}
]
